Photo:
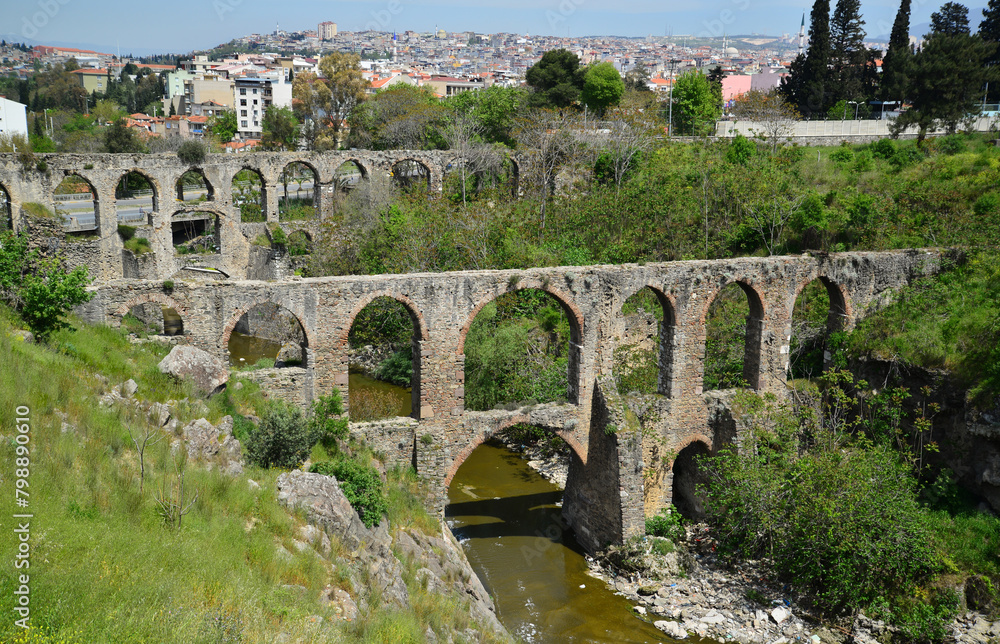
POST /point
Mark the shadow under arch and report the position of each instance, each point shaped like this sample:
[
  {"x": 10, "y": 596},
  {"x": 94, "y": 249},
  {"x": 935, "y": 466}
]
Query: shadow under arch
[
  {"x": 687, "y": 477},
  {"x": 809, "y": 327},
  {"x": 573, "y": 314},
  {"x": 417, "y": 339},
  {"x": 235, "y": 318},
  {"x": 667, "y": 331},
  {"x": 409, "y": 172},
  {"x": 754, "y": 330},
  {"x": 6, "y": 209},
  {"x": 172, "y": 324}
]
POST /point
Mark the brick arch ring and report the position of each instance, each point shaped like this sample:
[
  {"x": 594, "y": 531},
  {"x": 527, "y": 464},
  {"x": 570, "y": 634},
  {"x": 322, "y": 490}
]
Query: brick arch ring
[
  {"x": 146, "y": 298},
  {"x": 688, "y": 441},
  {"x": 419, "y": 325},
  {"x": 570, "y": 439},
  {"x": 838, "y": 289},
  {"x": 746, "y": 286},
  {"x": 568, "y": 306},
  {"x": 227, "y": 331}
]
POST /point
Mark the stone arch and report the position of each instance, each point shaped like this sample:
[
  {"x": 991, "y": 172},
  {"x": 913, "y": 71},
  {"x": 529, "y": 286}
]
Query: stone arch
[
  {"x": 72, "y": 223},
  {"x": 179, "y": 184},
  {"x": 284, "y": 179},
  {"x": 685, "y": 477},
  {"x": 482, "y": 437},
  {"x": 417, "y": 339},
  {"x": 806, "y": 336},
  {"x": 216, "y": 219},
  {"x": 754, "y": 328},
  {"x": 419, "y": 325},
  {"x": 413, "y": 164},
  {"x": 243, "y": 198},
  {"x": 160, "y": 298},
  {"x": 667, "y": 330},
  {"x": 576, "y": 325},
  {"x": 155, "y": 196},
  {"x": 227, "y": 331}
]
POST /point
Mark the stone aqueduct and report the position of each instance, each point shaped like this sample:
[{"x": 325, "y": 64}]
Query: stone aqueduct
[
  {"x": 102, "y": 249},
  {"x": 619, "y": 472},
  {"x": 622, "y": 467}
]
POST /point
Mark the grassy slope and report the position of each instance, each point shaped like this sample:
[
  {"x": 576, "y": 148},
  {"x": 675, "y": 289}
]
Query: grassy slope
[{"x": 104, "y": 567}]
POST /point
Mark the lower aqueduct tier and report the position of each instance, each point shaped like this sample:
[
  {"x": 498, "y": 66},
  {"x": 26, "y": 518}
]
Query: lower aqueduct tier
[{"x": 620, "y": 471}]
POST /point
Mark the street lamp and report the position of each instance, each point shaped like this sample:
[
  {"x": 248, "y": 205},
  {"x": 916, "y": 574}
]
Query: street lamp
[
  {"x": 670, "y": 100},
  {"x": 856, "y": 106}
]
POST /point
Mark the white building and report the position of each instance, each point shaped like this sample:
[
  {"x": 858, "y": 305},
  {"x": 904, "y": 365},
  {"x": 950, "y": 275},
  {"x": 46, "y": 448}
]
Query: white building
[
  {"x": 13, "y": 118},
  {"x": 252, "y": 95}
]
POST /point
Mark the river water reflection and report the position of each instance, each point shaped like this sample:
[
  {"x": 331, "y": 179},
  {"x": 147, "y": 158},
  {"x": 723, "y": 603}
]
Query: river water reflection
[{"x": 508, "y": 518}]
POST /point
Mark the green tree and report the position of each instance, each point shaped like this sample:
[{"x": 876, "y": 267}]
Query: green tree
[
  {"x": 848, "y": 54},
  {"x": 602, "y": 87},
  {"x": 281, "y": 129},
  {"x": 556, "y": 79},
  {"x": 38, "y": 288},
  {"x": 120, "y": 138},
  {"x": 495, "y": 109},
  {"x": 223, "y": 126},
  {"x": 191, "y": 152},
  {"x": 806, "y": 86},
  {"x": 696, "y": 104},
  {"x": 989, "y": 30},
  {"x": 327, "y": 423},
  {"x": 898, "y": 58},
  {"x": 949, "y": 74},
  {"x": 324, "y": 102},
  {"x": 400, "y": 117}
]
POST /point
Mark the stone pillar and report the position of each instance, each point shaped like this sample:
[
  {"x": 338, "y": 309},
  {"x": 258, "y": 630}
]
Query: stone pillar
[
  {"x": 665, "y": 382},
  {"x": 269, "y": 197}
]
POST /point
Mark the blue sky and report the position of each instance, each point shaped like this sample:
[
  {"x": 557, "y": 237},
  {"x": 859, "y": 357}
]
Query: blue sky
[{"x": 183, "y": 25}]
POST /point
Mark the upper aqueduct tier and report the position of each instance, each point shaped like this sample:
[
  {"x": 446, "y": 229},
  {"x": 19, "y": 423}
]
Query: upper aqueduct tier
[{"x": 216, "y": 196}]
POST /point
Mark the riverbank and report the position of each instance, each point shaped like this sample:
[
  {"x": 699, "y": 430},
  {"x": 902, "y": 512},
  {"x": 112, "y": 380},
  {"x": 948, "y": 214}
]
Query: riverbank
[{"x": 688, "y": 592}]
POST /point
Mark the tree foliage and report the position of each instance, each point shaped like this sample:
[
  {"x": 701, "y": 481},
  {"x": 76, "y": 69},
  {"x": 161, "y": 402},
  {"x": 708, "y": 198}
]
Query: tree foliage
[
  {"x": 324, "y": 102},
  {"x": 119, "y": 138},
  {"x": 282, "y": 439},
  {"x": 223, "y": 126},
  {"x": 696, "y": 104},
  {"x": 898, "y": 57},
  {"x": 839, "y": 519},
  {"x": 39, "y": 288},
  {"x": 847, "y": 52},
  {"x": 556, "y": 80},
  {"x": 602, "y": 87},
  {"x": 281, "y": 129}
]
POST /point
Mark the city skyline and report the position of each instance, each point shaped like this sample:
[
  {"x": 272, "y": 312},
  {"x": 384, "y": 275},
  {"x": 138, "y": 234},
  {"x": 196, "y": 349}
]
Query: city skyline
[{"x": 192, "y": 25}]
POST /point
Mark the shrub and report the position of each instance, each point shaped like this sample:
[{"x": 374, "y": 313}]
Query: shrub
[
  {"x": 281, "y": 440},
  {"x": 883, "y": 148},
  {"x": 741, "y": 150},
  {"x": 168, "y": 285},
  {"x": 191, "y": 152},
  {"x": 326, "y": 423},
  {"x": 361, "y": 485},
  {"x": 138, "y": 245},
  {"x": 397, "y": 368},
  {"x": 278, "y": 237},
  {"x": 126, "y": 232},
  {"x": 666, "y": 524},
  {"x": 842, "y": 155},
  {"x": 242, "y": 427},
  {"x": 840, "y": 521}
]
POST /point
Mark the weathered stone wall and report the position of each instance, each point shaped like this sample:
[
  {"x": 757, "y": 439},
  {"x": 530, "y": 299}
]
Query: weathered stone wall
[
  {"x": 290, "y": 384},
  {"x": 393, "y": 437},
  {"x": 443, "y": 306}
]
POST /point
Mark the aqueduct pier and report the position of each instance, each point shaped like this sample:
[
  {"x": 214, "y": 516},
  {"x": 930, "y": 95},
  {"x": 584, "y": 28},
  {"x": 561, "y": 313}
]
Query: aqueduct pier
[{"x": 622, "y": 467}]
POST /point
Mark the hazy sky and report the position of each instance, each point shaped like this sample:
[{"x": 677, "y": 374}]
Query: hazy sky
[{"x": 183, "y": 25}]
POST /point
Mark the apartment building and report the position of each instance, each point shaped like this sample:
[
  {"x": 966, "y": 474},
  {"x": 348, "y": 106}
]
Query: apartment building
[{"x": 252, "y": 95}]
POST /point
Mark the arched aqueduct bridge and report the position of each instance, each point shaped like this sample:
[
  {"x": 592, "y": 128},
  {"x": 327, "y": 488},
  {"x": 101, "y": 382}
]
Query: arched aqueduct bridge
[
  {"x": 617, "y": 474},
  {"x": 100, "y": 176}
]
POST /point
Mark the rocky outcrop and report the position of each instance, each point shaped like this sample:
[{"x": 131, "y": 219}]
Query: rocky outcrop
[
  {"x": 445, "y": 567},
  {"x": 329, "y": 510},
  {"x": 185, "y": 362},
  {"x": 213, "y": 444}
]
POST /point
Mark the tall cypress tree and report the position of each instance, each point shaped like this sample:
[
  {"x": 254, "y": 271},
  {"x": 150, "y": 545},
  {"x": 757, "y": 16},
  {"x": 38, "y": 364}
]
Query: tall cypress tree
[
  {"x": 847, "y": 52},
  {"x": 989, "y": 30},
  {"x": 812, "y": 98},
  {"x": 898, "y": 57}
]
